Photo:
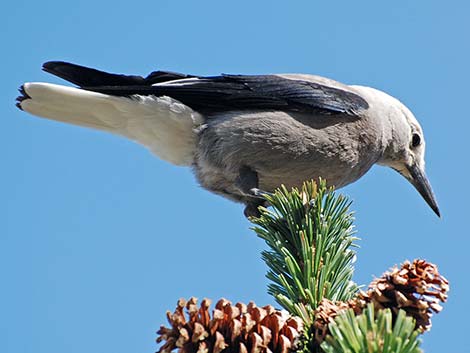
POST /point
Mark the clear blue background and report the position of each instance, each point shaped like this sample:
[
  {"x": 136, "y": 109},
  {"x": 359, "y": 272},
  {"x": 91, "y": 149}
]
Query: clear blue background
[{"x": 99, "y": 238}]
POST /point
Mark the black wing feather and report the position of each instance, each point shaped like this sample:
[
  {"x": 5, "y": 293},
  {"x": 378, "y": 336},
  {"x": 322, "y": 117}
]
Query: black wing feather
[
  {"x": 87, "y": 77},
  {"x": 219, "y": 93}
]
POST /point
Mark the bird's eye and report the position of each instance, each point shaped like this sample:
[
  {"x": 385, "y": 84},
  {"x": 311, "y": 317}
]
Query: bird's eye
[{"x": 416, "y": 140}]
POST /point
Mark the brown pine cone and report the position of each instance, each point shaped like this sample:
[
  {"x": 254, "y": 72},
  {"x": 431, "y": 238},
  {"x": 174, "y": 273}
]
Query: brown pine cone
[
  {"x": 324, "y": 315},
  {"x": 236, "y": 328},
  {"x": 416, "y": 287}
]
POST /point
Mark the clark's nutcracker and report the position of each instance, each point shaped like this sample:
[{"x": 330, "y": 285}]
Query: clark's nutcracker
[{"x": 241, "y": 134}]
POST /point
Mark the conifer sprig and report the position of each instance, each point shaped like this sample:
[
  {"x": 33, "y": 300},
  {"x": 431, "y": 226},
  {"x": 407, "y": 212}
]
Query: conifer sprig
[
  {"x": 372, "y": 332},
  {"x": 310, "y": 236}
]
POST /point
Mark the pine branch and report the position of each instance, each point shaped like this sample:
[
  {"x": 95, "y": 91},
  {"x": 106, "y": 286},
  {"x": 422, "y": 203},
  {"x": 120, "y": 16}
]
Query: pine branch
[
  {"x": 372, "y": 333},
  {"x": 310, "y": 235},
  {"x": 310, "y": 258}
]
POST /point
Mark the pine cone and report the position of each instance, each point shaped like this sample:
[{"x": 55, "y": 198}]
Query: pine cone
[
  {"x": 231, "y": 329},
  {"x": 416, "y": 287},
  {"x": 324, "y": 315}
]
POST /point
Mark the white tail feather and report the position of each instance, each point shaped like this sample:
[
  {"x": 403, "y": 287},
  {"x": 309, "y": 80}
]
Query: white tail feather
[{"x": 164, "y": 125}]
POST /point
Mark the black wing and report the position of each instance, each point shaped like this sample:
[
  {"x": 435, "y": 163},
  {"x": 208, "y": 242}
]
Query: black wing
[{"x": 218, "y": 93}]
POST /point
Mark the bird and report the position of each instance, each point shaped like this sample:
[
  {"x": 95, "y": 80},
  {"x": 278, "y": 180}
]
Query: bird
[{"x": 243, "y": 135}]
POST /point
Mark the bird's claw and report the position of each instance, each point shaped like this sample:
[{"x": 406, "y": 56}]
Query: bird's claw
[{"x": 260, "y": 193}]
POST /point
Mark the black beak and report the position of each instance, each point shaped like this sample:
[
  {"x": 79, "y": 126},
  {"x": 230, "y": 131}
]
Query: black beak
[{"x": 421, "y": 183}]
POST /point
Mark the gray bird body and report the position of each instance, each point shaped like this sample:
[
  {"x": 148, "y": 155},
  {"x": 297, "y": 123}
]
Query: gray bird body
[
  {"x": 289, "y": 147},
  {"x": 284, "y": 148},
  {"x": 244, "y": 133}
]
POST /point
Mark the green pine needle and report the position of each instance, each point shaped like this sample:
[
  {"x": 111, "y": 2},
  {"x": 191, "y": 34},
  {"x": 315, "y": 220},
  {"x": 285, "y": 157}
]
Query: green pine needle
[
  {"x": 370, "y": 333},
  {"x": 310, "y": 236}
]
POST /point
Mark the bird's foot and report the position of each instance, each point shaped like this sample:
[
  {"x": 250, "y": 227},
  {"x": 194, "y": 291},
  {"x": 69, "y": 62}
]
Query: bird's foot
[
  {"x": 260, "y": 193},
  {"x": 258, "y": 199},
  {"x": 252, "y": 210}
]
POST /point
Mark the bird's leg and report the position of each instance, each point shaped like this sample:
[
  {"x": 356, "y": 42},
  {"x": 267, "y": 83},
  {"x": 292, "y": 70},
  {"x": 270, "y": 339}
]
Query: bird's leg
[{"x": 248, "y": 182}]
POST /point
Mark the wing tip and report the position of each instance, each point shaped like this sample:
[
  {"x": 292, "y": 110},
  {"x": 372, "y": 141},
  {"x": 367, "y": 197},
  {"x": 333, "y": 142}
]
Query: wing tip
[
  {"x": 51, "y": 65},
  {"x": 56, "y": 68}
]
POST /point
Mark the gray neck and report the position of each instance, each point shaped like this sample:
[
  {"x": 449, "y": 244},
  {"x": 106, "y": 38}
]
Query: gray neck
[{"x": 388, "y": 119}]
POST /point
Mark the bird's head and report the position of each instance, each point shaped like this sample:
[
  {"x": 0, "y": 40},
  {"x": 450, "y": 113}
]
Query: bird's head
[{"x": 405, "y": 149}]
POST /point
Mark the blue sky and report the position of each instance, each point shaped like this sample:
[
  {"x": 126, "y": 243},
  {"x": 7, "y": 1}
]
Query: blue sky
[{"x": 98, "y": 238}]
